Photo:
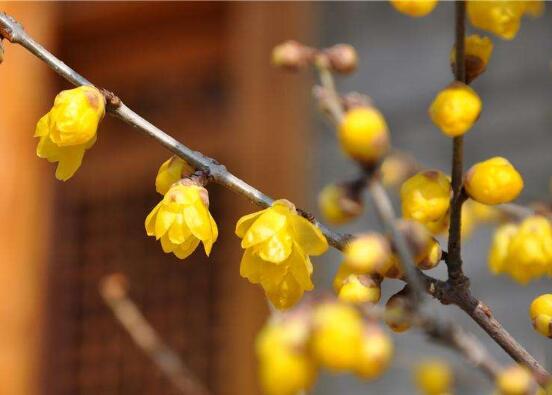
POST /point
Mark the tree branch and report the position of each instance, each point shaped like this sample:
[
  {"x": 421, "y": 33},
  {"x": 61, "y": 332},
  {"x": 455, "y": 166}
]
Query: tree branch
[{"x": 113, "y": 289}]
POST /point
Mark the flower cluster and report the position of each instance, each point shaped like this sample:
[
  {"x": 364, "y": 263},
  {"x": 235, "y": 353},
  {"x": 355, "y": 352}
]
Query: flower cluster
[
  {"x": 331, "y": 335},
  {"x": 502, "y": 17},
  {"x": 69, "y": 128},
  {"x": 523, "y": 251},
  {"x": 277, "y": 243}
]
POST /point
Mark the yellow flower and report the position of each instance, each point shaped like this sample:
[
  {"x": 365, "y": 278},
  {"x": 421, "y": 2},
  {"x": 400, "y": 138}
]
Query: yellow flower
[
  {"x": 337, "y": 335},
  {"x": 363, "y": 135},
  {"x": 502, "y": 18},
  {"x": 494, "y": 181},
  {"x": 336, "y": 206},
  {"x": 367, "y": 253},
  {"x": 515, "y": 380},
  {"x": 182, "y": 219},
  {"x": 432, "y": 256},
  {"x": 498, "y": 254},
  {"x": 69, "y": 128},
  {"x": 358, "y": 289},
  {"x": 415, "y": 8},
  {"x": 171, "y": 171},
  {"x": 433, "y": 377},
  {"x": 284, "y": 366},
  {"x": 478, "y": 50},
  {"x": 425, "y": 197},
  {"x": 455, "y": 109},
  {"x": 541, "y": 314},
  {"x": 375, "y": 353},
  {"x": 277, "y": 243}
]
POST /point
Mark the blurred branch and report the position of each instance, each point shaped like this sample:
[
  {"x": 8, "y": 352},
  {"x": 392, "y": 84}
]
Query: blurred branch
[
  {"x": 14, "y": 32},
  {"x": 113, "y": 289}
]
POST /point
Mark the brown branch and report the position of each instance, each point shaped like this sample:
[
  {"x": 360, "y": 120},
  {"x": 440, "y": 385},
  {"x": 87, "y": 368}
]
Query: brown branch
[
  {"x": 113, "y": 289},
  {"x": 454, "y": 258}
]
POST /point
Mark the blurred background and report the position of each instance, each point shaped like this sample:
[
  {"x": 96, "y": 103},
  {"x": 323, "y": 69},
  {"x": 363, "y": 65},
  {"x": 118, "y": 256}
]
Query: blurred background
[{"x": 201, "y": 71}]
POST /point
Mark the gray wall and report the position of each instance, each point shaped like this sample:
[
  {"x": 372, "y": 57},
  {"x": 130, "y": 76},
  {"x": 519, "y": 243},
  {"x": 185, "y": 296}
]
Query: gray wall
[{"x": 403, "y": 63}]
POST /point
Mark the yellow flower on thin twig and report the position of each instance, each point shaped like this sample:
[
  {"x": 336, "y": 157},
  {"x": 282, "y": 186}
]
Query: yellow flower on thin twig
[
  {"x": 69, "y": 128},
  {"x": 182, "y": 219},
  {"x": 277, "y": 243}
]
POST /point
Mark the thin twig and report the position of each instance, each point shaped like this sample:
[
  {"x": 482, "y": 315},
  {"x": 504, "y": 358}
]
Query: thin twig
[
  {"x": 113, "y": 289},
  {"x": 454, "y": 259}
]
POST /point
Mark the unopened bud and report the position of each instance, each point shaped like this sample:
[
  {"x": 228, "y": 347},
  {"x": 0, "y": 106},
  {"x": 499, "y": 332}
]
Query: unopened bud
[
  {"x": 338, "y": 205},
  {"x": 398, "y": 311},
  {"x": 417, "y": 237},
  {"x": 342, "y": 58},
  {"x": 292, "y": 55}
]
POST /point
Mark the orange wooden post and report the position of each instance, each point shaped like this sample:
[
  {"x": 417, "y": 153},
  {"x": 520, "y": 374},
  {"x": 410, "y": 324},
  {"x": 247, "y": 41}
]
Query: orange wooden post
[{"x": 25, "y": 204}]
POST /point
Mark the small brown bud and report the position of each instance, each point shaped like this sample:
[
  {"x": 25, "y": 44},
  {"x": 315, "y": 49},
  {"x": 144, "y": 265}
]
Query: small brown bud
[
  {"x": 292, "y": 55},
  {"x": 417, "y": 237},
  {"x": 398, "y": 311},
  {"x": 342, "y": 58}
]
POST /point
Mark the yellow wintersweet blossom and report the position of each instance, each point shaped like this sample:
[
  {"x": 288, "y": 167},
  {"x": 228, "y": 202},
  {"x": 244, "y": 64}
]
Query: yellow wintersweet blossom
[
  {"x": 541, "y": 314},
  {"x": 425, "y": 197},
  {"x": 455, "y": 109},
  {"x": 182, "y": 219},
  {"x": 502, "y": 18},
  {"x": 69, "y": 128},
  {"x": 478, "y": 50},
  {"x": 277, "y": 243},
  {"x": 337, "y": 206},
  {"x": 494, "y": 181},
  {"x": 367, "y": 253},
  {"x": 415, "y": 8},
  {"x": 515, "y": 380},
  {"x": 358, "y": 289},
  {"x": 337, "y": 335},
  {"x": 285, "y": 368},
  {"x": 433, "y": 377},
  {"x": 363, "y": 135},
  {"x": 375, "y": 353},
  {"x": 171, "y": 171},
  {"x": 524, "y": 252}
]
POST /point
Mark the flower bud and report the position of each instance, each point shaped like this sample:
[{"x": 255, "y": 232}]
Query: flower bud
[
  {"x": 342, "y": 58},
  {"x": 338, "y": 205},
  {"x": 432, "y": 257},
  {"x": 367, "y": 253},
  {"x": 433, "y": 377},
  {"x": 392, "y": 268},
  {"x": 478, "y": 50},
  {"x": 171, "y": 171},
  {"x": 502, "y": 18},
  {"x": 359, "y": 289},
  {"x": 455, "y": 109},
  {"x": 285, "y": 368},
  {"x": 375, "y": 353},
  {"x": 425, "y": 197},
  {"x": 515, "y": 380},
  {"x": 541, "y": 314},
  {"x": 417, "y": 237},
  {"x": 337, "y": 335},
  {"x": 498, "y": 254},
  {"x": 292, "y": 55},
  {"x": 494, "y": 181},
  {"x": 414, "y": 8},
  {"x": 363, "y": 135},
  {"x": 398, "y": 311}
]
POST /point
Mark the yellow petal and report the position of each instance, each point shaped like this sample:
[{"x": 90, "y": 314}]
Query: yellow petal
[
  {"x": 308, "y": 236},
  {"x": 69, "y": 162},
  {"x": 208, "y": 243},
  {"x": 178, "y": 232},
  {"x": 167, "y": 245},
  {"x": 165, "y": 219},
  {"x": 288, "y": 293},
  {"x": 272, "y": 275},
  {"x": 266, "y": 226},
  {"x": 150, "y": 220},
  {"x": 277, "y": 248},
  {"x": 185, "y": 249},
  {"x": 197, "y": 219},
  {"x": 300, "y": 267},
  {"x": 41, "y": 129},
  {"x": 46, "y": 149},
  {"x": 251, "y": 266},
  {"x": 245, "y": 222}
]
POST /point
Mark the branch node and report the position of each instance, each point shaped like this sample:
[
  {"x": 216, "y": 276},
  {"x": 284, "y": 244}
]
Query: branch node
[
  {"x": 10, "y": 28},
  {"x": 112, "y": 101}
]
